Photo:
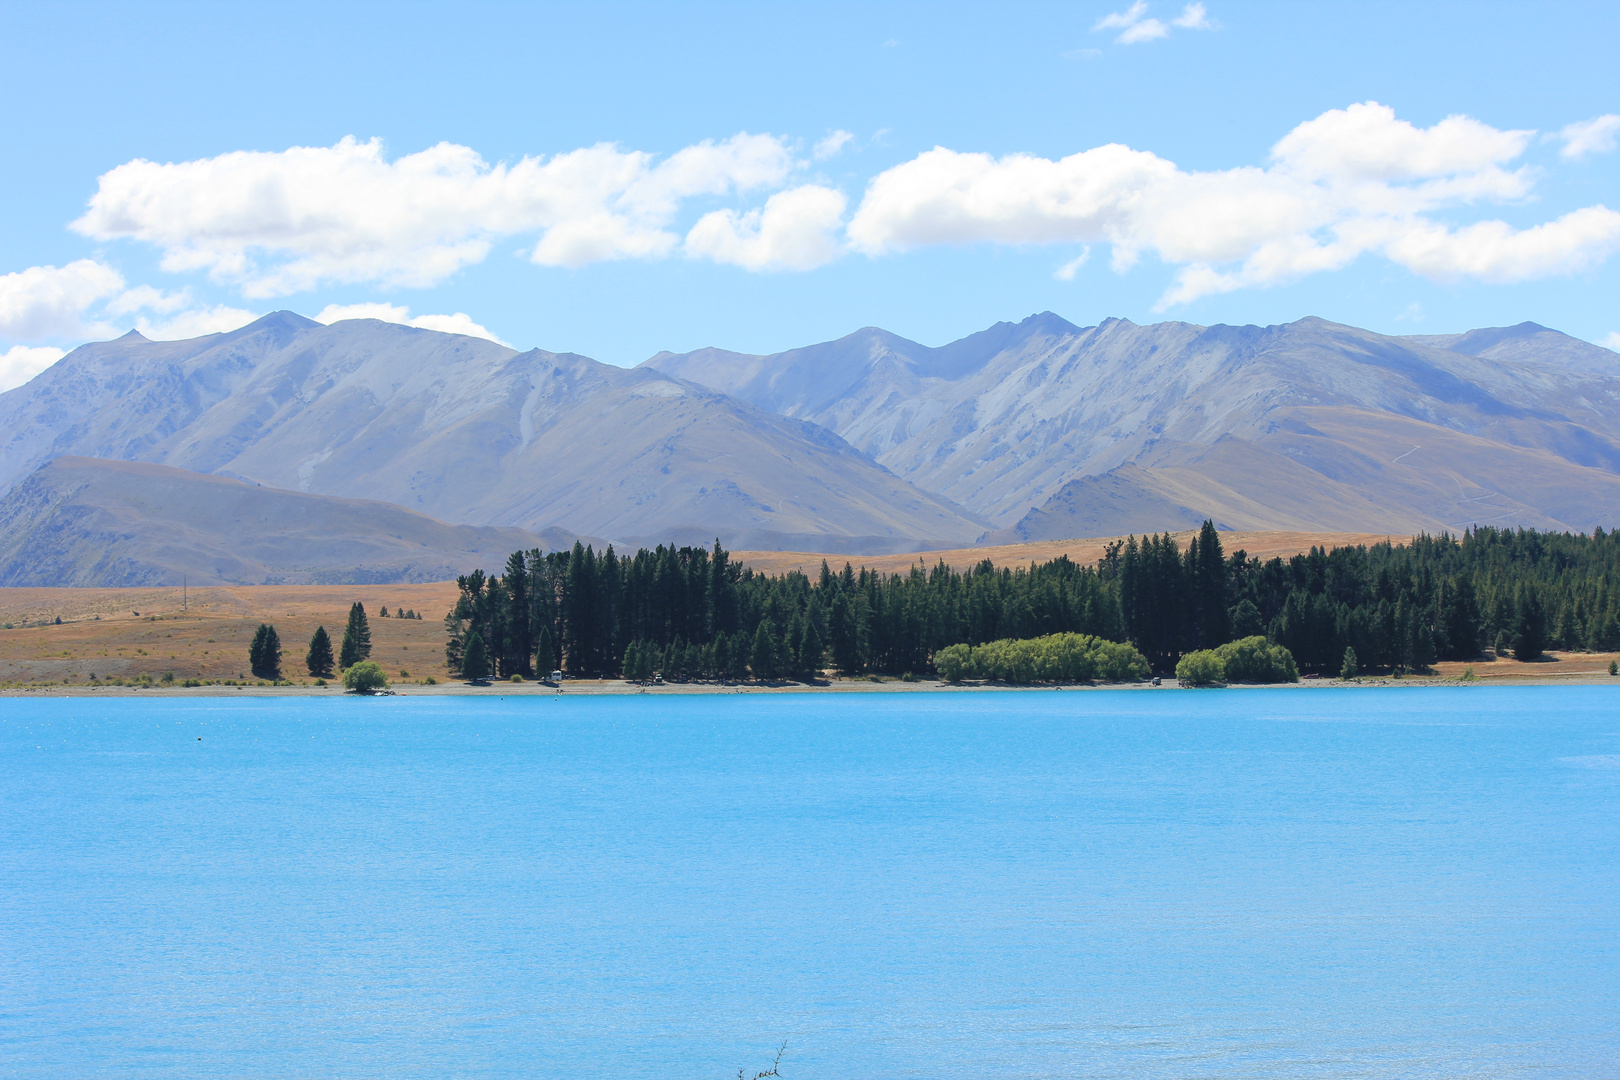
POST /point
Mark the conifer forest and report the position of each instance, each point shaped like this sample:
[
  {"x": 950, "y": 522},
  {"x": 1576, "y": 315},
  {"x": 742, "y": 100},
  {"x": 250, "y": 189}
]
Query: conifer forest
[{"x": 693, "y": 613}]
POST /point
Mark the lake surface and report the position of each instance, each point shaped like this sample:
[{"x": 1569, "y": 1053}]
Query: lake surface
[{"x": 1278, "y": 883}]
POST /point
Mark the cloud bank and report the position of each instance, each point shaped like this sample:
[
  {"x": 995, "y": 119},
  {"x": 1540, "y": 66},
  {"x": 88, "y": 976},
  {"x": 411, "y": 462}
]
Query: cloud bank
[
  {"x": 280, "y": 223},
  {"x": 1349, "y": 182}
]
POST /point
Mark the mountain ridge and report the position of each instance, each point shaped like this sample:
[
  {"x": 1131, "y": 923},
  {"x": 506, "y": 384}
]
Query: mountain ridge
[
  {"x": 469, "y": 431},
  {"x": 1055, "y": 406},
  {"x": 86, "y": 522}
]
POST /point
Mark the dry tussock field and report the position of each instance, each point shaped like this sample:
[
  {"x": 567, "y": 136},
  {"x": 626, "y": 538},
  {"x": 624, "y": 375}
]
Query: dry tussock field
[
  {"x": 129, "y": 632},
  {"x": 1264, "y": 545}
]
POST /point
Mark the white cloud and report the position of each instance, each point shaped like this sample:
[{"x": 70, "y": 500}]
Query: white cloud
[
  {"x": 1594, "y": 136},
  {"x": 20, "y": 363},
  {"x": 793, "y": 231},
  {"x": 1193, "y": 17},
  {"x": 196, "y": 322},
  {"x": 146, "y": 298},
  {"x": 1612, "y": 341},
  {"x": 832, "y": 145},
  {"x": 1067, "y": 271},
  {"x": 50, "y": 301},
  {"x": 459, "y": 323},
  {"x": 278, "y": 223},
  {"x": 1136, "y": 25},
  {"x": 87, "y": 300},
  {"x": 1349, "y": 182}
]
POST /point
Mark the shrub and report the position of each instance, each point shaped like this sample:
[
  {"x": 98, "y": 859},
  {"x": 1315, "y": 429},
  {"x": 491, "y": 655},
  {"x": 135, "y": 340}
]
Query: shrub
[
  {"x": 1256, "y": 660},
  {"x": 954, "y": 662},
  {"x": 366, "y": 677},
  {"x": 1201, "y": 668},
  {"x": 1614, "y": 667},
  {"x": 430, "y": 681},
  {"x": 514, "y": 678},
  {"x": 192, "y": 682},
  {"x": 1053, "y": 658}
]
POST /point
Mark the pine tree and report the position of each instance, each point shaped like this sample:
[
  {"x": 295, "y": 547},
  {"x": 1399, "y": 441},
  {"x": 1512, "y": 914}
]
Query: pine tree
[
  {"x": 264, "y": 655},
  {"x": 356, "y": 637},
  {"x": 1349, "y": 670},
  {"x": 319, "y": 658},
  {"x": 810, "y": 652},
  {"x": 545, "y": 653},
  {"x": 475, "y": 661},
  {"x": 763, "y": 657},
  {"x": 1530, "y": 637}
]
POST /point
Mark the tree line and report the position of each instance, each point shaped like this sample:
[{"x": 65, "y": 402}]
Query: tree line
[{"x": 693, "y": 612}]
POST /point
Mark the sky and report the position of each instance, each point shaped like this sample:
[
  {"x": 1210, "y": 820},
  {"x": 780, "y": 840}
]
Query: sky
[{"x": 620, "y": 179}]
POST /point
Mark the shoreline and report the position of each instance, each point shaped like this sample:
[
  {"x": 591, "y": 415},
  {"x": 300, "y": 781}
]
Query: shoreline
[{"x": 619, "y": 688}]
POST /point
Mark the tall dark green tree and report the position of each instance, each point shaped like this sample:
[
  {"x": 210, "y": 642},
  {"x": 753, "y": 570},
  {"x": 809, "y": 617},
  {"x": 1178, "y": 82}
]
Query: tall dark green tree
[
  {"x": 1207, "y": 572},
  {"x": 356, "y": 637},
  {"x": 545, "y": 653},
  {"x": 475, "y": 660},
  {"x": 762, "y": 659},
  {"x": 319, "y": 658},
  {"x": 264, "y": 654},
  {"x": 1530, "y": 636}
]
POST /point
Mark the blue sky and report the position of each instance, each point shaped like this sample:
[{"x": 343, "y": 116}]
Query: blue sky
[{"x": 619, "y": 179}]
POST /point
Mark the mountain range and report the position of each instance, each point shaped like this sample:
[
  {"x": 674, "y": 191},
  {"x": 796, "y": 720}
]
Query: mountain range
[
  {"x": 1053, "y": 430},
  {"x": 868, "y": 444}
]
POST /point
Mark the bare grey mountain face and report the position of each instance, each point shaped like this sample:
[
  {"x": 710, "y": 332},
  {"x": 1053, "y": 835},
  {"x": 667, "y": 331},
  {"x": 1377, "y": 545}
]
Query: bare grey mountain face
[
  {"x": 80, "y": 521},
  {"x": 470, "y": 431},
  {"x": 1058, "y": 431},
  {"x": 868, "y": 444}
]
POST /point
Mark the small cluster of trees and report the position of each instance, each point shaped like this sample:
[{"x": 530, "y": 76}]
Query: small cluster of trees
[
  {"x": 264, "y": 654},
  {"x": 1247, "y": 660},
  {"x": 1052, "y": 658},
  {"x": 399, "y": 613}
]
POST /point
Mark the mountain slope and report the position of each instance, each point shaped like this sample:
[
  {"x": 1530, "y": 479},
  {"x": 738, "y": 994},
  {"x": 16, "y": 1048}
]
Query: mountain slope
[
  {"x": 83, "y": 522},
  {"x": 470, "y": 431},
  {"x": 1044, "y": 404}
]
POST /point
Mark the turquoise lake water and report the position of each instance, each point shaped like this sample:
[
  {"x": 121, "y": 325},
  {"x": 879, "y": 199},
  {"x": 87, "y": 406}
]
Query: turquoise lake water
[{"x": 1276, "y": 883}]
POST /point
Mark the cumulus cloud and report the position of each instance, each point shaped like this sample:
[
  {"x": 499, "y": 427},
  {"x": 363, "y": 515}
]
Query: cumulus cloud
[
  {"x": 87, "y": 300},
  {"x": 1193, "y": 17},
  {"x": 1594, "y": 136},
  {"x": 195, "y": 322},
  {"x": 284, "y": 222},
  {"x": 1136, "y": 25},
  {"x": 50, "y": 301},
  {"x": 1612, "y": 341},
  {"x": 20, "y": 363},
  {"x": 832, "y": 145},
  {"x": 1349, "y": 182},
  {"x": 793, "y": 231},
  {"x": 459, "y": 323}
]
